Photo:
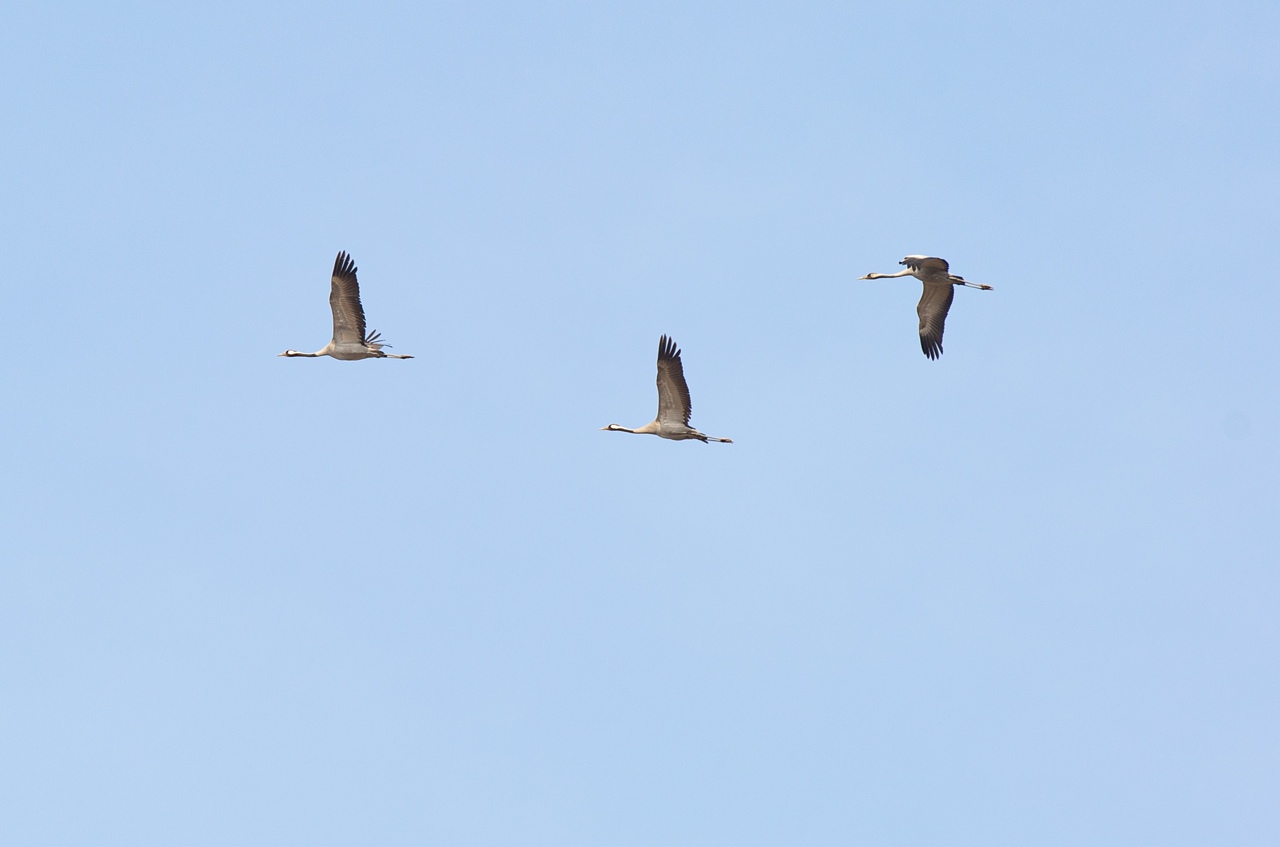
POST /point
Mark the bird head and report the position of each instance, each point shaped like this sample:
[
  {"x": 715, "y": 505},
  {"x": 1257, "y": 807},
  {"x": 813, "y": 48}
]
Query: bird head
[{"x": 612, "y": 428}]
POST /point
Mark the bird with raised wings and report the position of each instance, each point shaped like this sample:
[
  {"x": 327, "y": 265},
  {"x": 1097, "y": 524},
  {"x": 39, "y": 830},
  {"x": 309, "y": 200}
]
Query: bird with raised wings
[
  {"x": 673, "y": 401},
  {"x": 350, "y": 341},
  {"x": 935, "y": 302}
]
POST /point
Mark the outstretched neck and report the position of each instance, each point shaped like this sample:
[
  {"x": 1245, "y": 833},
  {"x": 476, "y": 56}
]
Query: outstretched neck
[
  {"x": 907, "y": 272},
  {"x": 292, "y": 353},
  {"x": 647, "y": 429}
]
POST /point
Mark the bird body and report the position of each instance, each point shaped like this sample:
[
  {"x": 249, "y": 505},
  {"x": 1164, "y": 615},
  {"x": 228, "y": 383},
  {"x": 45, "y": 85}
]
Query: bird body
[
  {"x": 674, "y": 405},
  {"x": 935, "y": 301},
  {"x": 350, "y": 341}
]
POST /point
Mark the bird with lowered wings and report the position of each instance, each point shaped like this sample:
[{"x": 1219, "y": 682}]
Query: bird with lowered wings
[{"x": 935, "y": 302}]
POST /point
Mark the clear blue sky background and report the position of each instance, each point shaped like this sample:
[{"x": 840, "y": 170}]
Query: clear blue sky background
[{"x": 1026, "y": 594}]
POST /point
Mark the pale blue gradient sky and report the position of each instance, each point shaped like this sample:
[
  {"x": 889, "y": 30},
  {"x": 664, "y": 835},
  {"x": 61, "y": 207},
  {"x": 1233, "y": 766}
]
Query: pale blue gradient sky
[{"x": 1023, "y": 595}]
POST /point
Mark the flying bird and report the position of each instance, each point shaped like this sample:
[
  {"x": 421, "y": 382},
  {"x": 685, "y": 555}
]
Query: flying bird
[
  {"x": 350, "y": 342},
  {"x": 939, "y": 291},
  {"x": 673, "y": 401}
]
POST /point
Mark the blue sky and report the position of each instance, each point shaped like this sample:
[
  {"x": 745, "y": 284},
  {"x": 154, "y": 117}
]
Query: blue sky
[{"x": 1022, "y": 595}]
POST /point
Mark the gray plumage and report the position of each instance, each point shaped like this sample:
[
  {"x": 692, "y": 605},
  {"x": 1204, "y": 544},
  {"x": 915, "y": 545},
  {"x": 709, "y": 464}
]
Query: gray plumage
[
  {"x": 935, "y": 300},
  {"x": 350, "y": 341},
  {"x": 674, "y": 405}
]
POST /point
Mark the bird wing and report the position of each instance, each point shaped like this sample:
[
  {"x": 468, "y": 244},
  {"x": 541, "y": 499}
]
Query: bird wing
[
  {"x": 932, "y": 309},
  {"x": 673, "y": 392},
  {"x": 344, "y": 300},
  {"x": 926, "y": 263}
]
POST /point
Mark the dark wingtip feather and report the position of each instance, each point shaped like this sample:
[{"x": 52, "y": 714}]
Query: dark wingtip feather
[
  {"x": 667, "y": 349},
  {"x": 343, "y": 265},
  {"x": 932, "y": 349}
]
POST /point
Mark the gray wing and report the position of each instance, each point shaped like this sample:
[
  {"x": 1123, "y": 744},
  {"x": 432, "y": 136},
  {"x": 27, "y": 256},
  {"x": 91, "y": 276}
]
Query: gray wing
[
  {"x": 344, "y": 300},
  {"x": 926, "y": 263},
  {"x": 932, "y": 309},
  {"x": 673, "y": 392}
]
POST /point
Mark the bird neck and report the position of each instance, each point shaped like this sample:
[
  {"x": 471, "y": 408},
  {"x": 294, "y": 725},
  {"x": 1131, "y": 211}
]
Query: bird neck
[{"x": 907, "y": 272}]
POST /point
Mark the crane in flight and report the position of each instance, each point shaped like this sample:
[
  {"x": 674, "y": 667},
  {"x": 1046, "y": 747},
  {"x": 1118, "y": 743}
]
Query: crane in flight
[
  {"x": 350, "y": 341},
  {"x": 673, "y": 401},
  {"x": 939, "y": 291}
]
